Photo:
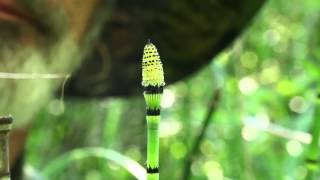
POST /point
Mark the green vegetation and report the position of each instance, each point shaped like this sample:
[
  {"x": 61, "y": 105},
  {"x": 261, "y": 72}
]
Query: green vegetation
[
  {"x": 152, "y": 82},
  {"x": 260, "y": 129}
]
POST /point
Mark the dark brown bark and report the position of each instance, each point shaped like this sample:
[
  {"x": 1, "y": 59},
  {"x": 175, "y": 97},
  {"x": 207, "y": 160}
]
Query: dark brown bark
[{"x": 188, "y": 35}]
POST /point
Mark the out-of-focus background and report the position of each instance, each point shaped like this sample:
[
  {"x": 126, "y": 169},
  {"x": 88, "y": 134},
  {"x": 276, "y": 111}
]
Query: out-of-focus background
[{"x": 267, "y": 79}]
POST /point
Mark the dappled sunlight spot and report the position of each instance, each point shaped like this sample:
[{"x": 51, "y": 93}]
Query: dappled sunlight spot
[
  {"x": 55, "y": 107},
  {"x": 252, "y": 125},
  {"x": 294, "y": 148},
  {"x": 301, "y": 172},
  {"x": 249, "y": 59},
  {"x": 249, "y": 134},
  {"x": 168, "y": 98},
  {"x": 169, "y": 128},
  {"x": 196, "y": 168},
  {"x": 263, "y": 119},
  {"x": 271, "y": 37},
  {"x": 248, "y": 85},
  {"x": 213, "y": 170},
  {"x": 298, "y": 104},
  {"x": 206, "y": 147},
  {"x": 178, "y": 150},
  {"x": 270, "y": 74}
]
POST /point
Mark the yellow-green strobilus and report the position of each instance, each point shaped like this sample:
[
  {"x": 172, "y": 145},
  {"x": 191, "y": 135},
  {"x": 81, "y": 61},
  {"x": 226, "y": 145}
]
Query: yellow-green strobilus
[{"x": 153, "y": 83}]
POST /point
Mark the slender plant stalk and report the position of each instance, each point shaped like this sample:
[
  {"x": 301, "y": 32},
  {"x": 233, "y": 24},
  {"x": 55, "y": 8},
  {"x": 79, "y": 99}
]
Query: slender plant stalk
[
  {"x": 5, "y": 127},
  {"x": 152, "y": 82},
  {"x": 312, "y": 160},
  {"x": 197, "y": 142}
]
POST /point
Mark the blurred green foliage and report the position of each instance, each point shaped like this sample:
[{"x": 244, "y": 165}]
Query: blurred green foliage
[{"x": 268, "y": 79}]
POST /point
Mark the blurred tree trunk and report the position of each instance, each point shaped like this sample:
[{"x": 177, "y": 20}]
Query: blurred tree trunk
[{"x": 188, "y": 35}]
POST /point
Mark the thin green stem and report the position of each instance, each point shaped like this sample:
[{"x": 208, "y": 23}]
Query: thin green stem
[
  {"x": 153, "y": 120},
  {"x": 313, "y": 151},
  {"x": 153, "y": 141},
  {"x": 195, "y": 148},
  {"x": 153, "y": 151}
]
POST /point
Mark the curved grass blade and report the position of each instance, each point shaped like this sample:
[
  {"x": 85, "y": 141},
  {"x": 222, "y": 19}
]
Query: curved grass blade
[{"x": 68, "y": 158}]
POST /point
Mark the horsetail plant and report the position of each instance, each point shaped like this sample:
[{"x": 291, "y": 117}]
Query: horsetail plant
[
  {"x": 5, "y": 127},
  {"x": 153, "y": 83}
]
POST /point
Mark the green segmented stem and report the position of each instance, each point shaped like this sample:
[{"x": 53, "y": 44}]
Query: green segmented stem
[
  {"x": 153, "y": 82},
  {"x": 153, "y": 176},
  {"x": 153, "y": 141},
  {"x": 153, "y": 120},
  {"x": 5, "y": 127}
]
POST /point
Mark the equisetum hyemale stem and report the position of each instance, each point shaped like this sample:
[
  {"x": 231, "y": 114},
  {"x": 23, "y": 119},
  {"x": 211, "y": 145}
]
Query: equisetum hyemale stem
[
  {"x": 5, "y": 127},
  {"x": 152, "y": 82}
]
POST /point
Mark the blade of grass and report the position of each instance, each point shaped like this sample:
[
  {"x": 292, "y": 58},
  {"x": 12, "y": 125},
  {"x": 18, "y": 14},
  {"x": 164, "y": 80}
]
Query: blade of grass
[{"x": 67, "y": 159}]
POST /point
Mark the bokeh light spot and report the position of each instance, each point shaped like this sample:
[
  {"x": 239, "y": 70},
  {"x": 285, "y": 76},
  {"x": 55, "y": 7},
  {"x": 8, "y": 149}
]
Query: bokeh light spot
[
  {"x": 301, "y": 172},
  {"x": 249, "y": 59},
  {"x": 168, "y": 98},
  {"x": 169, "y": 128},
  {"x": 297, "y": 104},
  {"x": 294, "y": 148},
  {"x": 213, "y": 170},
  {"x": 270, "y": 74},
  {"x": 178, "y": 150},
  {"x": 249, "y": 134},
  {"x": 272, "y": 37},
  {"x": 248, "y": 85}
]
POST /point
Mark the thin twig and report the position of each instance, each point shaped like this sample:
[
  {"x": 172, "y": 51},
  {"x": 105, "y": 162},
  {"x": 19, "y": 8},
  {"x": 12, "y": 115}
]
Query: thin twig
[
  {"x": 5, "y": 75},
  {"x": 38, "y": 76},
  {"x": 213, "y": 104}
]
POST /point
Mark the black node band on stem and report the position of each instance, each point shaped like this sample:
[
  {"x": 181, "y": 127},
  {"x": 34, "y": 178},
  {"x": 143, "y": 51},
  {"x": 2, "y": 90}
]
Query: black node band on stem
[
  {"x": 153, "y": 89},
  {"x": 5, "y": 120},
  {"x": 152, "y": 170},
  {"x": 153, "y": 112}
]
